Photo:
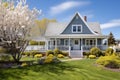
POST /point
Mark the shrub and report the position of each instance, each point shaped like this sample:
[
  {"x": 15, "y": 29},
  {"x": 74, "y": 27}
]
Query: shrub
[
  {"x": 38, "y": 55},
  {"x": 109, "y": 51},
  {"x": 31, "y": 53},
  {"x": 5, "y": 57},
  {"x": 26, "y": 53},
  {"x": 60, "y": 56},
  {"x": 33, "y": 43},
  {"x": 111, "y": 61},
  {"x": 34, "y": 52},
  {"x": 92, "y": 56},
  {"x": 118, "y": 54},
  {"x": 95, "y": 51},
  {"x": 49, "y": 58},
  {"x": 24, "y": 64},
  {"x": 37, "y": 43},
  {"x": 57, "y": 51},
  {"x": 102, "y": 53},
  {"x": 41, "y": 60},
  {"x": 86, "y": 54},
  {"x": 49, "y": 52},
  {"x": 65, "y": 53},
  {"x": 41, "y": 43},
  {"x": 2, "y": 50},
  {"x": 50, "y": 55}
]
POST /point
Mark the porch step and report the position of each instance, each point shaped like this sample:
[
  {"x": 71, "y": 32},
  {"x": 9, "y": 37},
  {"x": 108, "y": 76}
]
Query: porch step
[{"x": 76, "y": 54}]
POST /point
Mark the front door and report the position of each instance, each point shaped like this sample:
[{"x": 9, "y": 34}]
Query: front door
[{"x": 76, "y": 44}]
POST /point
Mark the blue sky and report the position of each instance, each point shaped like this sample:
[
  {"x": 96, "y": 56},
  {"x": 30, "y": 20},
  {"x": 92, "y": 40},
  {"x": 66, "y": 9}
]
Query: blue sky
[{"x": 106, "y": 12}]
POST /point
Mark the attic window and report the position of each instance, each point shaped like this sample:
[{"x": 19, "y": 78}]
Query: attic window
[
  {"x": 76, "y": 28},
  {"x": 76, "y": 17}
]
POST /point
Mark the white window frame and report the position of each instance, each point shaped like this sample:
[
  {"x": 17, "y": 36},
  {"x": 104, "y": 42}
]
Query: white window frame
[
  {"x": 77, "y": 29},
  {"x": 65, "y": 42},
  {"x": 93, "y": 42}
]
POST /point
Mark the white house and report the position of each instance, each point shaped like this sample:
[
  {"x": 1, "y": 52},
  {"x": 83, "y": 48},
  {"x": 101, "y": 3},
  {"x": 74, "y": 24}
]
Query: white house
[{"x": 75, "y": 37}]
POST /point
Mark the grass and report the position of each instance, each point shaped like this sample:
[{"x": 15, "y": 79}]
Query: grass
[
  {"x": 30, "y": 58},
  {"x": 71, "y": 70}
]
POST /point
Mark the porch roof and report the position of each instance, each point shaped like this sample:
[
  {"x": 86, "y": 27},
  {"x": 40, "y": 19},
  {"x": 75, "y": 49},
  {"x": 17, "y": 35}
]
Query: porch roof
[{"x": 78, "y": 36}]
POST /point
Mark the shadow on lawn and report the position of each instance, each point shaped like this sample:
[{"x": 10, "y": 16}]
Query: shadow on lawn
[
  {"x": 56, "y": 68},
  {"x": 18, "y": 73}
]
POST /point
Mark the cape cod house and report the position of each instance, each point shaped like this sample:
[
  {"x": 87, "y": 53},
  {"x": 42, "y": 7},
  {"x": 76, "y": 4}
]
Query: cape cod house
[{"x": 75, "y": 37}]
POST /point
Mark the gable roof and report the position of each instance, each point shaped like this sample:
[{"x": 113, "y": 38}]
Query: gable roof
[
  {"x": 78, "y": 14},
  {"x": 55, "y": 28},
  {"x": 95, "y": 26}
]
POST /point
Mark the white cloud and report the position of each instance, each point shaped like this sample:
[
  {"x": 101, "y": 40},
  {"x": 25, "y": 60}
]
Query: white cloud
[
  {"x": 67, "y": 18},
  {"x": 89, "y": 14},
  {"x": 112, "y": 23},
  {"x": 66, "y": 6}
]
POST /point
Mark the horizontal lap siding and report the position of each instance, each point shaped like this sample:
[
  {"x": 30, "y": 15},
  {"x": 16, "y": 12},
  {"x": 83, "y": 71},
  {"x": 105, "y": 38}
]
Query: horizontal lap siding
[{"x": 76, "y": 21}]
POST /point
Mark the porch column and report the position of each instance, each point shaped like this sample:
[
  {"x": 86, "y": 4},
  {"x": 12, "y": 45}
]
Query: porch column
[
  {"x": 46, "y": 45},
  {"x": 55, "y": 43},
  {"x": 96, "y": 43},
  {"x": 81, "y": 47},
  {"x": 51, "y": 44},
  {"x": 69, "y": 46}
]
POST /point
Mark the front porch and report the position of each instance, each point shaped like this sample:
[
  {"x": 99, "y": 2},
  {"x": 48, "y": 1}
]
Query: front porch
[{"x": 75, "y": 46}]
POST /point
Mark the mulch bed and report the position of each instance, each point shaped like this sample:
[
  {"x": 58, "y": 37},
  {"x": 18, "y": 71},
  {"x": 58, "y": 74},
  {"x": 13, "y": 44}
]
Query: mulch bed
[
  {"x": 9, "y": 64},
  {"x": 111, "y": 69},
  {"x": 107, "y": 68}
]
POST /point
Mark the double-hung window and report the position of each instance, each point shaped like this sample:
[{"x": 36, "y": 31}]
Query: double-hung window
[
  {"x": 76, "y": 28},
  {"x": 90, "y": 42}
]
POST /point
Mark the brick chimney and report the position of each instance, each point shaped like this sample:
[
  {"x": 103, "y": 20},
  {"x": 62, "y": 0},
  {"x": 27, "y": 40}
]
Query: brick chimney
[{"x": 85, "y": 18}]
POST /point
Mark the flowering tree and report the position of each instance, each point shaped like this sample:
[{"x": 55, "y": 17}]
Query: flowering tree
[{"x": 15, "y": 24}]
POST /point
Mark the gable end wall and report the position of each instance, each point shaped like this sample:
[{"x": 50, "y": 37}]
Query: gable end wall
[{"x": 77, "y": 21}]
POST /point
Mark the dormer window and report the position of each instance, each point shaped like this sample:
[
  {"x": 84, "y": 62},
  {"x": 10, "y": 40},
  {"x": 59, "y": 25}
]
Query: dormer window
[{"x": 76, "y": 28}]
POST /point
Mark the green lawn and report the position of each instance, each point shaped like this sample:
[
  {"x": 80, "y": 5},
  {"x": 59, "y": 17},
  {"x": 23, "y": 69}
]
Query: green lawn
[{"x": 72, "y": 70}]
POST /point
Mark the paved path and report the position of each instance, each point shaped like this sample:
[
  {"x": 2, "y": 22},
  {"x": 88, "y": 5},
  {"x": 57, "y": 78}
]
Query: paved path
[{"x": 72, "y": 59}]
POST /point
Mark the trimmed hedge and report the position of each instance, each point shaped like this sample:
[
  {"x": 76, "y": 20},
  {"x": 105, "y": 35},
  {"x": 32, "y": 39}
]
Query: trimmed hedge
[{"x": 36, "y": 43}]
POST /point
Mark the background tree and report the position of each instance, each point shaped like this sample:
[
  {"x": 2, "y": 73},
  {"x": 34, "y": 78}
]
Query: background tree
[
  {"x": 15, "y": 24},
  {"x": 39, "y": 29},
  {"x": 111, "y": 39}
]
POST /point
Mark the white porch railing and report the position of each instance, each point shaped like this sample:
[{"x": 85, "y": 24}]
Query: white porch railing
[
  {"x": 88, "y": 47},
  {"x": 35, "y": 47},
  {"x": 102, "y": 47},
  {"x": 60, "y": 47}
]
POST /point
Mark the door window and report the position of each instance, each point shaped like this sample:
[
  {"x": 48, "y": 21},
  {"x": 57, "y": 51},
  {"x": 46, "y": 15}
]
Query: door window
[{"x": 76, "y": 42}]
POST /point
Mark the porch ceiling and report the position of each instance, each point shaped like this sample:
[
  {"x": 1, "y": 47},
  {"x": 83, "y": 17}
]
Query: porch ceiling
[{"x": 78, "y": 36}]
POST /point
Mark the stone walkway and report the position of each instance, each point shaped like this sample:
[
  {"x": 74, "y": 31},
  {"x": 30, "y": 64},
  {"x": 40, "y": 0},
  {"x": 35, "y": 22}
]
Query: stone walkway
[{"x": 72, "y": 59}]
